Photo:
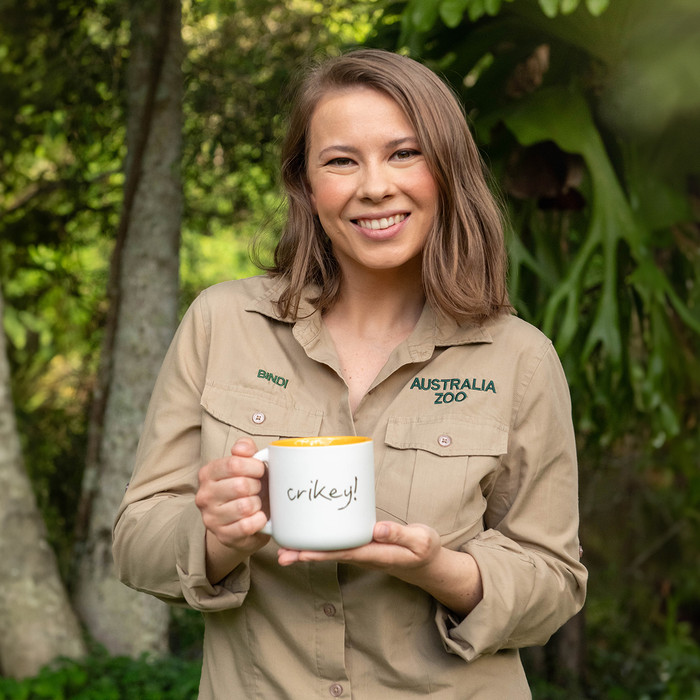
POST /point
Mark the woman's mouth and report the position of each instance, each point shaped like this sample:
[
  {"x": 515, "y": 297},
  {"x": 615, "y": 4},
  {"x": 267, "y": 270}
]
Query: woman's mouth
[{"x": 381, "y": 223}]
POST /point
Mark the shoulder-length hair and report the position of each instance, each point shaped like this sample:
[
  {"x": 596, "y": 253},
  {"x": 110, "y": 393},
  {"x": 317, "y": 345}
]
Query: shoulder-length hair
[{"x": 464, "y": 257}]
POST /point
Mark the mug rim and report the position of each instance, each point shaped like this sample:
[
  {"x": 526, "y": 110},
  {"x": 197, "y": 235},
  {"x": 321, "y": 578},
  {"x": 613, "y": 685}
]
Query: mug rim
[{"x": 321, "y": 441}]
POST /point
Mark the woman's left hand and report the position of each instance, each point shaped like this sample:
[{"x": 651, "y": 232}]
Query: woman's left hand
[
  {"x": 412, "y": 553},
  {"x": 394, "y": 548}
]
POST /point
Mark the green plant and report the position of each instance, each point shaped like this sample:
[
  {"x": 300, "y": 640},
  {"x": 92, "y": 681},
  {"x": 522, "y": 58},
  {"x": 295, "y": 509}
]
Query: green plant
[
  {"x": 584, "y": 115},
  {"x": 104, "y": 677}
]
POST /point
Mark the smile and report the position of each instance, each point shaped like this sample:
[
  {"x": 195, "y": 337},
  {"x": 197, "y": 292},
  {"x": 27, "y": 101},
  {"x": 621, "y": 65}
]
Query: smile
[{"x": 379, "y": 224}]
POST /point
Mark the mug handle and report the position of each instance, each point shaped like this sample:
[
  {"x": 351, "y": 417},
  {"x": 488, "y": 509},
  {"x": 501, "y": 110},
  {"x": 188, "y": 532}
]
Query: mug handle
[{"x": 264, "y": 456}]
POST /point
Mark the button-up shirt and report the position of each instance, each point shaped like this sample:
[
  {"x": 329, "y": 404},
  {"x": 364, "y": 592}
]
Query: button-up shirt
[{"x": 473, "y": 437}]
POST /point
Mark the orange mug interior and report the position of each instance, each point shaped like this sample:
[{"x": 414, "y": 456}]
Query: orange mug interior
[{"x": 321, "y": 441}]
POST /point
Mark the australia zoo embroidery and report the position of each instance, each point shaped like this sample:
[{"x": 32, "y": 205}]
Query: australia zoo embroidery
[{"x": 453, "y": 390}]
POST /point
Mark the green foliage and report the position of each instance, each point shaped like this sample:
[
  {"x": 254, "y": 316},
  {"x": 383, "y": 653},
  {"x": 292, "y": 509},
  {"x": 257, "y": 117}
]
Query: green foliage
[
  {"x": 62, "y": 143},
  {"x": 603, "y": 244},
  {"x": 668, "y": 669},
  {"x": 52, "y": 322},
  {"x": 60, "y": 81},
  {"x": 241, "y": 59},
  {"x": 420, "y": 16},
  {"x": 101, "y": 677}
]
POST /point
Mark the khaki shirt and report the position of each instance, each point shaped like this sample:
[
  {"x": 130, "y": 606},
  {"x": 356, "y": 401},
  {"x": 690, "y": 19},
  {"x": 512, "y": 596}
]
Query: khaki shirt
[{"x": 473, "y": 436}]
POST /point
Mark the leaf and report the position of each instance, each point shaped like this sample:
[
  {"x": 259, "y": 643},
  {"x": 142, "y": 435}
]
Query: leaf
[
  {"x": 493, "y": 7},
  {"x": 549, "y": 7},
  {"x": 562, "y": 115},
  {"x": 424, "y": 14},
  {"x": 651, "y": 282},
  {"x": 15, "y": 330},
  {"x": 476, "y": 9},
  {"x": 568, "y": 6},
  {"x": 597, "y": 7},
  {"x": 452, "y": 11}
]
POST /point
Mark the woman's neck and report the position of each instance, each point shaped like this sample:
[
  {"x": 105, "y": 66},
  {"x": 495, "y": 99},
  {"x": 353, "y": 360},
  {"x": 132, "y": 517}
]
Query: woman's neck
[
  {"x": 378, "y": 305},
  {"x": 368, "y": 321}
]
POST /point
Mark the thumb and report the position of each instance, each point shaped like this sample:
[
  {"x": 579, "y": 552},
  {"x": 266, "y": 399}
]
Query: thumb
[{"x": 383, "y": 532}]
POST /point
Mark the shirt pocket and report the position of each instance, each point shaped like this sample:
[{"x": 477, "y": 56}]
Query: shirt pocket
[
  {"x": 231, "y": 412},
  {"x": 435, "y": 470}
]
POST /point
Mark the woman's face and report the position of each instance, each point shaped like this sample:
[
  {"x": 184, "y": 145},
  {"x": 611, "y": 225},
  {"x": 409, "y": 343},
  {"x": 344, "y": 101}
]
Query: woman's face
[{"x": 370, "y": 184}]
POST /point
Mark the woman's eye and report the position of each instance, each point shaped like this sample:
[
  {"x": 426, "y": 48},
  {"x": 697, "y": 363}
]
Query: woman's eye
[
  {"x": 340, "y": 162},
  {"x": 405, "y": 154}
]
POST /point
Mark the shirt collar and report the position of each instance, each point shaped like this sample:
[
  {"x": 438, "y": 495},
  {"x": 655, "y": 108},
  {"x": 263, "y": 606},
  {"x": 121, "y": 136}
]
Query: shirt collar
[
  {"x": 434, "y": 330},
  {"x": 431, "y": 331}
]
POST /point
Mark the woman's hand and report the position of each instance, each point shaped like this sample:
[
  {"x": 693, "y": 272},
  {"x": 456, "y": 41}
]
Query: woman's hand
[
  {"x": 412, "y": 553},
  {"x": 394, "y": 549},
  {"x": 231, "y": 497}
]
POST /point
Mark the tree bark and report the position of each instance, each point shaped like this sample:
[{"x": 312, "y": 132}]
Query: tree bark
[
  {"x": 37, "y": 623},
  {"x": 145, "y": 269}
]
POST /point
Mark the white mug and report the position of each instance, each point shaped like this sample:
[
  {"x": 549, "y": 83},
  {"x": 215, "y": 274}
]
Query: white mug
[{"x": 321, "y": 491}]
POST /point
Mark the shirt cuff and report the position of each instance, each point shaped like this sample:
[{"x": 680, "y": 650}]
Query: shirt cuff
[
  {"x": 508, "y": 577},
  {"x": 190, "y": 557}
]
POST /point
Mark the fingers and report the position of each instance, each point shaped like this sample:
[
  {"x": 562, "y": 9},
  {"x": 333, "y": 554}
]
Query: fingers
[
  {"x": 244, "y": 447},
  {"x": 243, "y": 534},
  {"x": 227, "y": 480},
  {"x": 239, "y": 464},
  {"x": 394, "y": 548},
  {"x": 230, "y": 497}
]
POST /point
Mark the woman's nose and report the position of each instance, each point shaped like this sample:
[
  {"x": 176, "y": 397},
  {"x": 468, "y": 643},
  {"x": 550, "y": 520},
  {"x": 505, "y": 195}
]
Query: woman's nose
[{"x": 376, "y": 183}]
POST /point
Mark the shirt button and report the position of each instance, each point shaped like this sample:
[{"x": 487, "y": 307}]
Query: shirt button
[
  {"x": 329, "y": 609},
  {"x": 258, "y": 417},
  {"x": 336, "y": 690},
  {"x": 444, "y": 441}
]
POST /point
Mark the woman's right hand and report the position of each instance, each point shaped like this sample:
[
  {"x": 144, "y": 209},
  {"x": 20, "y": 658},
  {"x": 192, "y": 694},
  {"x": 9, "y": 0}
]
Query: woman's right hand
[{"x": 230, "y": 498}]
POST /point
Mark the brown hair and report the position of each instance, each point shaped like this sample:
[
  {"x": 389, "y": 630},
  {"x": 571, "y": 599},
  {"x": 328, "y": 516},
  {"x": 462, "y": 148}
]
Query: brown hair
[{"x": 464, "y": 258}]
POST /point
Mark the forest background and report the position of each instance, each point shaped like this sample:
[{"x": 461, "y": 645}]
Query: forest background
[{"x": 138, "y": 159}]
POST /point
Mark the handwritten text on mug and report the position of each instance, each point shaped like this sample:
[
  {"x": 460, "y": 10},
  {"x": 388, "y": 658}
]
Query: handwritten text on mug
[{"x": 316, "y": 491}]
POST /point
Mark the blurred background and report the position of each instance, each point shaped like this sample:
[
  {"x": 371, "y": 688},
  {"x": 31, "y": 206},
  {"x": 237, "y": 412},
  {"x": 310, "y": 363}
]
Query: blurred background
[{"x": 138, "y": 160}]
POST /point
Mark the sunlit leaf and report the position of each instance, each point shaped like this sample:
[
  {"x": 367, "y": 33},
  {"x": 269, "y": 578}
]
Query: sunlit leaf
[
  {"x": 452, "y": 11},
  {"x": 15, "y": 330},
  {"x": 549, "y": 7},
  {"x": 597, "y": 7},
  {"x": 568, "y": 6},
  {"x": 492, "y": 7},
  {"x": 423, "y": 14}
]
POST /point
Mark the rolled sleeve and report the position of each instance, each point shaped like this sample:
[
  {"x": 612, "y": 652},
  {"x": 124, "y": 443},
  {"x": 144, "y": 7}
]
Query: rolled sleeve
[
  {"x": 159, "y": 536},
  {"x": 190, "y": 555},
  {"x": 533, "y": 581},
  {"x": 159, "y": 549}
]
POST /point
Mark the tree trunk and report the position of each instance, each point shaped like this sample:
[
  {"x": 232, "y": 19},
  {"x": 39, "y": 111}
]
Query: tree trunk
[
  {"x": 144, "y": 316},
  {"x": 37, "y": 623},
  {"x": 569, "y": 651}
]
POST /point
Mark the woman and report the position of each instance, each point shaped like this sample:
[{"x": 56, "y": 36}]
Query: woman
[{"x": 385, "y": 315}]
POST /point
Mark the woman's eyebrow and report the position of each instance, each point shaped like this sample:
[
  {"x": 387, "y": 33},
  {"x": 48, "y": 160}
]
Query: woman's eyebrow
[{"x": 340, "y": 148}]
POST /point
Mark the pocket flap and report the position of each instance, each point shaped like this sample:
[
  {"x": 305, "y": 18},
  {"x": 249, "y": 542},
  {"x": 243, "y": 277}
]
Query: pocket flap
[
  {"x": 258, "y": 413},
  {"x": 448, "y": 435}
]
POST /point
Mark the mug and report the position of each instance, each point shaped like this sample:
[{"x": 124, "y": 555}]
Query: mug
[{"x": 321, "y": 491}]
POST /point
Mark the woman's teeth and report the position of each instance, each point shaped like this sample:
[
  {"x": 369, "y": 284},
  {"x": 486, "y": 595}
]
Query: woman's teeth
[{"x": 378, "y": 224}]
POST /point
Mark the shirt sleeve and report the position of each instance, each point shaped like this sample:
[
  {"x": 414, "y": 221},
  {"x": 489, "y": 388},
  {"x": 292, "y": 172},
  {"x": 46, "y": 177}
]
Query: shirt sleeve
[
  {"x": 159, "y": 536},
  {"x": 528, "y": 555}
]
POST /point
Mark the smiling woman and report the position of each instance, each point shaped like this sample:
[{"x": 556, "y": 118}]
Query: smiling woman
[
  {"x": 463, "y": 265},
  {"x": 371, "y": 187},
  {"x": 384, "y": 316}
]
